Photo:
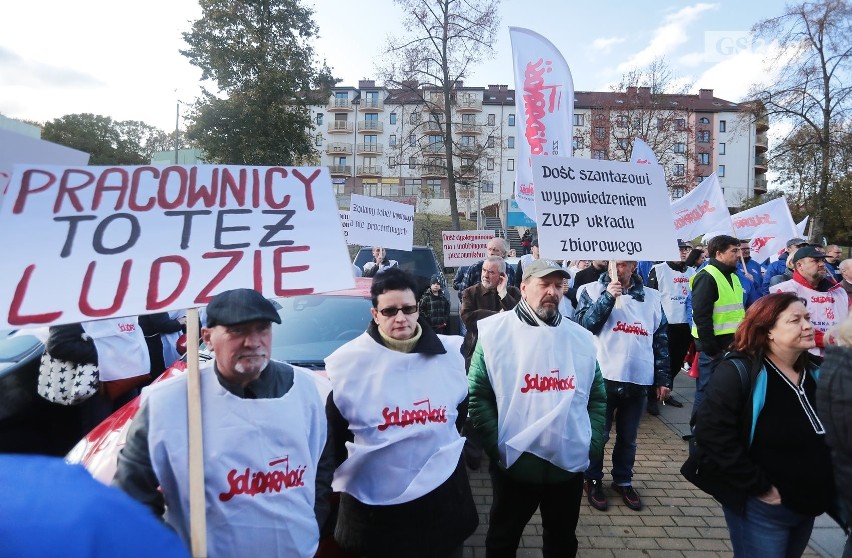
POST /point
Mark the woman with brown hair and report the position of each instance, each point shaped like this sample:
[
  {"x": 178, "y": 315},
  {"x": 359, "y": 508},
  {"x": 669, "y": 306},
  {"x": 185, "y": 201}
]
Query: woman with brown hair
[{"x": 761, "y": 445}]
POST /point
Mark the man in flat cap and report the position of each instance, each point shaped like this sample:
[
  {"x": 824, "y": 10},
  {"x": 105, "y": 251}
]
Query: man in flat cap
[
  {"x": 267, "y": 472},
  {"x": 537, "y": 401}
]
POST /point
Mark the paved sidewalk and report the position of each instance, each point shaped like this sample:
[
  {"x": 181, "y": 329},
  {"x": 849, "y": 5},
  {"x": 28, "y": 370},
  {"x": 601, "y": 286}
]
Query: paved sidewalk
[{"x": 677, "y": 519}]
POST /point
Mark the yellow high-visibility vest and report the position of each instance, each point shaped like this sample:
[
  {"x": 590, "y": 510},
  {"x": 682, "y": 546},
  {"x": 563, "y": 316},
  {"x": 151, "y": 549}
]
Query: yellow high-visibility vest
[{"x": 728, "y": 310}]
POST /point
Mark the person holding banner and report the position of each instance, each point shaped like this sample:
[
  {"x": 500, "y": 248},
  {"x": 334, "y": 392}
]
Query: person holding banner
[
  {"x": 632, "y": 348},
  {"x": 752, "y": 268},
  {"x": 538, "y": 402},
  {"x": 267, "y": 461},
  {"x": 717, "y": 308},
  {"x": 380, "y": 262},
  {"x": 399, "y": 398},
  {"x": 827, "y": 301}
]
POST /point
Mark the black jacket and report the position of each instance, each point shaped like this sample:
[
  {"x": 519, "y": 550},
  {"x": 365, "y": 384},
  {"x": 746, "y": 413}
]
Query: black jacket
[
  {"x": 834, "y": 405},
  {"x": 705, "y": 293}
]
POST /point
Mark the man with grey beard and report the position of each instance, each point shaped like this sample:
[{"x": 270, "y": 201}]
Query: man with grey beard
[
  {"x": 538, "y": 403},
  {"x": 251, "y": 431}
]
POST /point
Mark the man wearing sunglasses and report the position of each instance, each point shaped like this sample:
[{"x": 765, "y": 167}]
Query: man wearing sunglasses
[{"x": 399, "y": 398}]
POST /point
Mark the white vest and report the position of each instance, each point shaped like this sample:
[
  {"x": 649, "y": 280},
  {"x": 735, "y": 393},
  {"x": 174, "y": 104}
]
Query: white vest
[
  {"x": 122, "y": 351},
  {"x": 626, "y": 341},
  {"x": 260, "y": 463},
  {"x": 542, "y": 377},
  {"x": 402, "y": 409},
  {"x": 674, "y": 289},
  {"x": 826, "y": 309}
]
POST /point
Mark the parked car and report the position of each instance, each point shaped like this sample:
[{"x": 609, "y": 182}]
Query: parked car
[
  {"x": 312, "y": 327},
  {"x": 422, "y": 263}
]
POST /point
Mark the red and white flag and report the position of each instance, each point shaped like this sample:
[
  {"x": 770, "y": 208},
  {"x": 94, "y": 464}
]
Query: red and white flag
[
  {"x": 642, "y": 153},
  {"x": 769, "y": 226},
  {"x": 544, "y": 101},
  {"x": 702, "y": 210}
]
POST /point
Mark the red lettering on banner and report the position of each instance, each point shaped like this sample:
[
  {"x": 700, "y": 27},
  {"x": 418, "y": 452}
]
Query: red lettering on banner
[
  {"x": 237, "y": 189},
  {"x": 133, "y": 203},
  {"x": 405, "y": 417},
  {"x": 201, "y": 192},
  {"x": 754, "y": 221},
  {"x": 268, "y": 188},
  {"x": 27, "y": 187},
  {"x": 681, "y": 279},
  {"x": 760, "y": 242},
  {"x": 101, "y": 186},
  {"x": 126, "y": 327},
  {"x": 307, "y": 181},
  {"x": 535, "y": 105},
  {"x": 65, "y": 189},
  {"x": 526, "y": 189},
  {"x": 121, "y": 290},
  {"x": 15, "y": 316},
  {"x": 693, "y": 216},
  {"x": 204, "y": 296},
  {"x": 278, "y": 269},
  {"x": 180, "y": 191},
  {"x": 152, "y": 301},
  {"x": 635, "y": 328},
  {"x": 547, "y": 383},
  {"x": 822, "y": 299},
  {"x": 262, "y": 482}
]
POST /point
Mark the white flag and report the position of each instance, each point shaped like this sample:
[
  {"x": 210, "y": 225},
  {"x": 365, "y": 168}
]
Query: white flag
[
  {"x": 800, "y": 227},
  {"x": 642, "y": 153},
  {"x": 544, "y": 101},
  {"x": 702, "y": 210},
  {"x": 769, "y": 226}
]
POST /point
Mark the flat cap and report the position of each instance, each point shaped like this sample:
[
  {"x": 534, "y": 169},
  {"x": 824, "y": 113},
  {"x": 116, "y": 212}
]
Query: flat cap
[
  {"x": 239, "y": 306},
  {"x": 542, "y": 267},
  {"x": 796, "y": 242}
]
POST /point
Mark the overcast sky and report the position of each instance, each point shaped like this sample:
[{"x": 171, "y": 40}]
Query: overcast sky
[{"x": 122, "y": 59}]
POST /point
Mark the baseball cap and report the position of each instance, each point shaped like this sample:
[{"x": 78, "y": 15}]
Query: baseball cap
[
  {"x": 239, "y": 306},
  {"x": 683, "y": 244},
  {"x": 796, "y": 242},
  {"x": 808, "y": 252},
  {"x": 542, "y": 267}
]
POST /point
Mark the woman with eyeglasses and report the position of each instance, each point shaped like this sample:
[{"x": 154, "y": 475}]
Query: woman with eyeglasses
[
  {"x": 761, "y": 446},
  {"x": 399, "y": 399}
]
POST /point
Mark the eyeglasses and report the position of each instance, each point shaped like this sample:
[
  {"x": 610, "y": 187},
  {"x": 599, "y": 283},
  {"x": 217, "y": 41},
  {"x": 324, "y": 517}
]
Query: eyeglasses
[{"x": 391, "y": 312}]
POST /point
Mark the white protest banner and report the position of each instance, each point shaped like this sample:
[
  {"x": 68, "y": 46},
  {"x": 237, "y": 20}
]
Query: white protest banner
[
  {"x": 344, "y": 222},
  {"x": 802, "y": 226},
  {"x": 769, "y": 226},
  {"x": 544, "y": 101},
  {"x": 379, "y": 222},
  {"x": 83, "y": 243},
  {"x": 17, "y": 148},
  {"x": 642, "y": 153},
  {"x": 702, "y": 210},
  {"x": 602, "y": 210},
  {"x": 465, "y": 247}
]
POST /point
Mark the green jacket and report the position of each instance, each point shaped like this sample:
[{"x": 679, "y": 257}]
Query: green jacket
[{"x": 528, "y": 467}]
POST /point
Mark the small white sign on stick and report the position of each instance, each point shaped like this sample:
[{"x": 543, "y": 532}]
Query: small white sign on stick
[
  {"x": 603, "y": 210},
  {"x": 465, "y": 247},
  {"x": 379, "y": 222}
]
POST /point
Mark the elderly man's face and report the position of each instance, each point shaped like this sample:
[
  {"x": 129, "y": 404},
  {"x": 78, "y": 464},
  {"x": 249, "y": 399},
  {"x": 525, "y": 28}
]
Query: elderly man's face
[
  {"x": 495, "y": 247},
  {"x": 490, "y": 275},
  {"x": 543, "y": 294},
  {"x": 624, "y": 270},
  {"x": 242, "y": 351}
]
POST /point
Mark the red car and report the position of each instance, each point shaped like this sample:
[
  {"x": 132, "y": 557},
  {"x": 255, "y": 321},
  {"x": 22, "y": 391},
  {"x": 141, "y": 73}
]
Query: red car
[{"x": 312, "y": 327}]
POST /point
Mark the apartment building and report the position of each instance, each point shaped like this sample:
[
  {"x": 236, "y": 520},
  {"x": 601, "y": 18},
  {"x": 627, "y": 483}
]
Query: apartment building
[{"x": 390, "y": 142}]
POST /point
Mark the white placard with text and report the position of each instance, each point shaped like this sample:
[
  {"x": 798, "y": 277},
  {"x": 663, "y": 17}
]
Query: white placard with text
[
  {"x": 464, "y": 247},
  {"x": 379, "y": 222}
]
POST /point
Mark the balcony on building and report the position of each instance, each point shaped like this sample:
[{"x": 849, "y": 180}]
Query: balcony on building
[
  {"x": 369, "y": 170},
  {"x": 469, "y": 105},
  {"x": 339, "y": 127},
  {"x": 339, "y": 105},
  {"x": 467, "y": 172},
  {"x": 430, "y": 127},
  {"x": 470, "y": 149},
  {"x": 432, "y": 170},
  {"x": 760, "y": 185},
  {"x": 340, "y": 170},
  {"x": 372, "y": 105},
  {"x": 370, "y": 148},
  {"x": 761, "y": 143},
  {"x": 370, "y": 126},
  {"x": 338, "y": 148},
  {"x": 435, "y": 149},
  {"x": 468, "y": 128},
  {"x": 762, "y": 123},
  {"x": 760, "y": 163}
]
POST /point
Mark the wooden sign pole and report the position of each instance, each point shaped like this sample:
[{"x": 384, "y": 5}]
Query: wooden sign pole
[{"x": 197, "y": 504}]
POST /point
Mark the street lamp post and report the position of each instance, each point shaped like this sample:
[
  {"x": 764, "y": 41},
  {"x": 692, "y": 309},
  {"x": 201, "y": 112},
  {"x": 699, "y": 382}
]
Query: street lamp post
[
  {"x": 177, "y": 123},
  {"x": 355, "y": 103}
]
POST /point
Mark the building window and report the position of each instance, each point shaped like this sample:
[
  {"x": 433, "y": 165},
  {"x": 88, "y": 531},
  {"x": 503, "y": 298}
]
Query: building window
[
  {"x": 489, "y": 164},
  {"x": 433, "y": 187},
  {"x": 392, "y": 139},
  {"x": 490, "y": 142},
  {"x": 412, "y": 140},
  {"x": 680, "y": 124},
  {"x": 319, "y": 119},
  {"x": 491, "y": 119},
  {"x": 721, "y": 149},
  {"x": 510, "y": 142},
  {"x": 393, "y": 118},
  {"x": 600, "y": 132},
  {"x": 704, "y": 136},
  {"x": 577, "y": 142},
  {"x": 370, "y": 188},
  {"x": 410, "y": 186},
  {"x": 414, "y": 118},
  {"x": 723, "y": 125},
  {"x": 510, "y": 164},
  {"x": 662, "y": 124},
  {"x": 599, "y": 154},
  {"x": 578, "y": 119},
  {"x": 488, "y": 186},
  {"x": 677, "y": 193},
  {"x": 703, "y": 158},
  {"x": 679, "y": 169},
  {"x": 637, "y": 123},
  {"x": 340, "y": 189},
  {"x": 392, "y": 162},
  {"x": 622, "y": 143},
  {"x": 621, "y": 121},
  {"x": 511, "y": 120},
  {"x": 318, "y": 140},
  {"x": 721, "y": 171},
  {"x": 468, "y": 141},
  {"x": 680, "y": 148},
  {"x": 704, "y": 120},
  {"x": 412, "y": 162}
]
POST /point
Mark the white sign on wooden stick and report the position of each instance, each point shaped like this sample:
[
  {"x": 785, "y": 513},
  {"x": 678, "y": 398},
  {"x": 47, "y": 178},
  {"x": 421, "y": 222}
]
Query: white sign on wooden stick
[
  {"x": 379, "y": 222},
  {"x": 83, "y": 243},
  {"x": 465, "y": 247},
  {"x": 603, "y": 210}
]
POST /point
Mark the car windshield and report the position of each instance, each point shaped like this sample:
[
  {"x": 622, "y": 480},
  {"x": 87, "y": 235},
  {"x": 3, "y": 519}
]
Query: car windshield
[
  {"x": 313, "y": 327},
  {"x": 13, "y": 348}
]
